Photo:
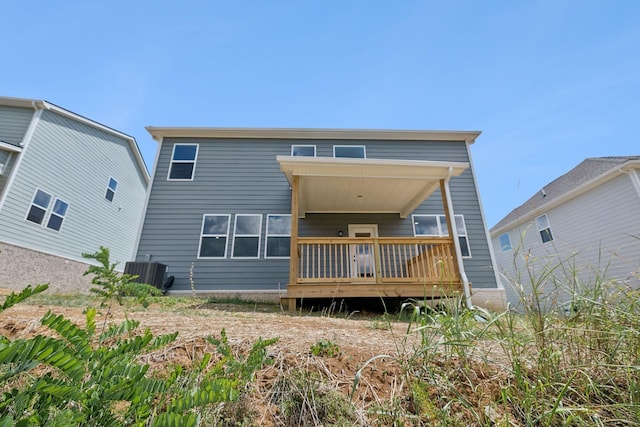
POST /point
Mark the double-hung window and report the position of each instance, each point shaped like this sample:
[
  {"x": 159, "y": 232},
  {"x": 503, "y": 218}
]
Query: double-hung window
[
  {"x": 351, "y": 151},
  {"x": 111, "y": 189},
  {"x": 436, "y": 226},
  {"x": 278, "y": 234},
  {"x": 303, "y": 150},
  {"x": 39, "y": 210},
  {"x": 544, "y": 228},
  {"x": 505, "y": 242},
  {"x": 213, "y": 236},
  {"x": 183, "y": 162},
  {"x": 246, "y": 236}
]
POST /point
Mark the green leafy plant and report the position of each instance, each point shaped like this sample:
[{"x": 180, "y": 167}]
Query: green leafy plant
[{"x": 325, "y": 348}]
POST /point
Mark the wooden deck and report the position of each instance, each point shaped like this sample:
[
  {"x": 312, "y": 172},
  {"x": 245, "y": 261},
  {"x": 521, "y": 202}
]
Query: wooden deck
[{"x": 373, "y": 267}]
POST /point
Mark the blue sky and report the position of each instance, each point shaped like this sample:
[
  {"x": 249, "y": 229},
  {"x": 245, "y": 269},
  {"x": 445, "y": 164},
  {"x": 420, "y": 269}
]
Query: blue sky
[{"x": 549, "y": 83}]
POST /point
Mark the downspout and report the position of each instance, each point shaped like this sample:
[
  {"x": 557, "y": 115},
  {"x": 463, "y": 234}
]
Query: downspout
[{"x": 456, "y": 242}]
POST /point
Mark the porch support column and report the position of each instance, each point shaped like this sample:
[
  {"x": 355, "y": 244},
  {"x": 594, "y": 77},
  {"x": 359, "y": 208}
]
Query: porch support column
[
  {"x": 453, "y": 232},
  {"x": 293, "y": 251}
]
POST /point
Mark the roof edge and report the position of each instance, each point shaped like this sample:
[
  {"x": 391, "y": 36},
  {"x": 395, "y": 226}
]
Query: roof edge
[{"x": 312, "y": 133}]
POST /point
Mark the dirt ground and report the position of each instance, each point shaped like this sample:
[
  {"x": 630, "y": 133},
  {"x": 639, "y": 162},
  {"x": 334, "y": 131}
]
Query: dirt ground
[{"x": 358, "y": 340}]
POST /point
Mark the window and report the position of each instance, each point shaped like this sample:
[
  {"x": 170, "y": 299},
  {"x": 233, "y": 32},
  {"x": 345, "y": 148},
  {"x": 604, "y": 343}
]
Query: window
[
  {"x": 505, "y": 242},
  {"x": 353, "y": 151},
  {"x": 246, "y": 236},
  {"x": 542, "y": 222},
  {"x": 213, "y": 238},
  {"x": 278, "y": 234},
  {"x": 4, "y": 160},
  {"x": 57, "y": 214},
  {"x": 183, "y": 162},
  {"x": 303, "y": 150},
  {"x": 40, "y": 206},
  {"x": 111, "y": 189},
  {"x": 436, "y": 225}
]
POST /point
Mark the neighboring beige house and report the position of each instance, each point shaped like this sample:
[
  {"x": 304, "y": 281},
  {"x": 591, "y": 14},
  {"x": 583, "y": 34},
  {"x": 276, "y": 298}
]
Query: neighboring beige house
[{"x": 585, "y": 222}]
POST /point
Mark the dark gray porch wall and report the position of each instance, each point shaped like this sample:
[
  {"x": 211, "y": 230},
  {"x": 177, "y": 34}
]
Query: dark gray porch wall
[{"x": 242, "y": 176}]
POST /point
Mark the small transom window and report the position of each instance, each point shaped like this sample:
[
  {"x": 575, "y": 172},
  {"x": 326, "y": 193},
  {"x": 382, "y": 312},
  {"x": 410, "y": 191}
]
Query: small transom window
[
  {"x": 303, "y": 150},
  {"x": 351, "y": 151}
]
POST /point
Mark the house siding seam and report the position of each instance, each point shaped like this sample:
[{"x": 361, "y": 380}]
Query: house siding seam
[
  {"x": 73, "y": 161},
  {"x": 242, "y": 176}
]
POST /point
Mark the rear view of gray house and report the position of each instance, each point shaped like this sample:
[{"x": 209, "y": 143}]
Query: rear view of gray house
[
  {"x": 68, "y": 185},
  {"x": 581, "y": 228},
  {"x": 318, "y": 213}
]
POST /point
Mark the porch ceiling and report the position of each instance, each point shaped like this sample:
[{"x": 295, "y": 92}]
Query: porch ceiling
[{"x": 340, "y": 185}]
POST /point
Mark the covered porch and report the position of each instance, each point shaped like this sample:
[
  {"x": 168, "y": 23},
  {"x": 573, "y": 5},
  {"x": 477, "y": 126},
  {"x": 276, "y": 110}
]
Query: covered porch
[{"x": 363, "y": 264}]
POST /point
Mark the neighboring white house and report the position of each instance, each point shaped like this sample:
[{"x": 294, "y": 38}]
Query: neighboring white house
[
  {"x": 582, "y": 227},
  {"x": 68, "y": 185}
]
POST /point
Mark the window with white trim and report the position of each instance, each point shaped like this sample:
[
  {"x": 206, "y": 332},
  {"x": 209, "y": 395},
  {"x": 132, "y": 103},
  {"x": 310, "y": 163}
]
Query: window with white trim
[
  {"x": 278, "y": 236},
  {"x": 111, "y": 189},
  {"x": 350, "y": 151},
  {"x": 183, "y": 162},
  {"x": 213, "y": 236},
  {"x": 505, "y": 242},
  {"x": 436, "y": 226},
  {"x": 40, "y": 212},
  {"x": 544, "y": 228},
  {"x": 246, "y": 236},
  {"x": 4, "y": 160},
  {"x": 303, "y": 150}
]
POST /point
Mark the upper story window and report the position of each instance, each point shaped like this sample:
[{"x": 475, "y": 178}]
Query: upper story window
[
  {"x": 505, "y": 242},
  {"x": 246, "y": 240},
  {"x": 4, "y": 160},
  {"x": 303, "y": 150},
  {"x": 278, "y": 235},
  {"x": 436, "y": 226},
  {"x": 352, "y": 151},
  {"x": 40, "y": 208},
  {"x": 213, "y": 237},
  {"x": 111, "y": 189},
  {"x": 542, "y": 222},
  {"x": 183, "y": 162}
]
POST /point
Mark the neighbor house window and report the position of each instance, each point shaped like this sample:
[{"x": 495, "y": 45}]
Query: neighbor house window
[
  {"x": 542, "y": 222},
  {"x": 278, "y": 234},
  {"x": 505, "y": 242},
  {"x": 436, "y": 226},
  {"x": 246, "y": 236},
  {"x": 183, "y": 162},
  {"x": 111, "y": 189},
  {"x": 40, "y": 207},
  {"x": 353, "y": 151},
  {"x": 303, "y": 150},
  {"x": 4, "y": 160},
  {"x": 57, "y": 214},
  {"x": 213, "y": 237}
]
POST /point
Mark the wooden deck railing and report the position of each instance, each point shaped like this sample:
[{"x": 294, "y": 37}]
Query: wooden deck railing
[{"x": 376, "y": 260}]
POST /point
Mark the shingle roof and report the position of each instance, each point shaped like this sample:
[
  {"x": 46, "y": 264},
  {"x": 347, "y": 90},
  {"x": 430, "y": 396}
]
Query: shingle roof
[{"x": 586, "y": 171}]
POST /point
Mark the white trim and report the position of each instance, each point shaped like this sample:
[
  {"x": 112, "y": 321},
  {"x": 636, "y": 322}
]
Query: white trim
[
  {"x": 236, "y": 235},
  {"x": 114, "y": 190},
  {"x": 364, "y": 151},
  {"x": 32, "y": 204},
  {"x": 226, "y": 245},
  {"x": 441, "y": 232},
  {"x": 635, "y": 180},
  {"x": 9, "y": 147},
  {"x": 310, "y": 133},
  {"x": 303, "y": 145},
  {"x": 26, "y": 140},
  {"x": 267, "y": 235},
  {"x": 548, "y": 227},
  {"x": 172, "y": 161}
]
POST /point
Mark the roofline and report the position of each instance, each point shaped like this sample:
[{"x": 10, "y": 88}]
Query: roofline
[
  {"x": 593, "y": 183},
  {"x": 41, "y": 104},
  {"x": 310, "y": 133}
]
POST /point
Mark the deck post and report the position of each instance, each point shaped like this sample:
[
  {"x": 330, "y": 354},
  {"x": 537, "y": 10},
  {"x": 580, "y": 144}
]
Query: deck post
[{"x": 293, "y": 251}]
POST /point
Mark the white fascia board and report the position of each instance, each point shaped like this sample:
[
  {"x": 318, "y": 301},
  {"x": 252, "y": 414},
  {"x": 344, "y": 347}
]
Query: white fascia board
[
  {"x": 309, "y": 133},
  {"x": 10, "y": 147}
]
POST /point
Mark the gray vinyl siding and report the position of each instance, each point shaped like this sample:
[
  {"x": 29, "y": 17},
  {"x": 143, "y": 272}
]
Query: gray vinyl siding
[
  {"x": 593, "y": 239},
  {"x": 73, "y": 161},
  {"x": 242, "y": 176},
  {"x": 14, "y": 123}
]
